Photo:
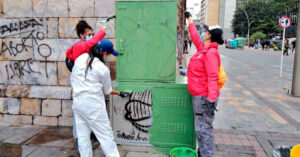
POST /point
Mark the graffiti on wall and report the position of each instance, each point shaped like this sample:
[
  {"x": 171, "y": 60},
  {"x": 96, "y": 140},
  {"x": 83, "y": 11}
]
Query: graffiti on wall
[
  {"x": 26, "y": 55},
  {"x": 131, "y": 136},
  {"x": 14, "y": 48},
  {"x": 19, "y": 69},
  {"x": 138, "y": 110},
  {"x": 17, "y": 27},
  {"x": 132, "y": 117}
]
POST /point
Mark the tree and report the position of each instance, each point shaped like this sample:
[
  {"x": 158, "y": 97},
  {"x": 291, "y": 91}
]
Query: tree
[
  {"x": 258, "y": 35},
  {"x": 266, "y": 15}
]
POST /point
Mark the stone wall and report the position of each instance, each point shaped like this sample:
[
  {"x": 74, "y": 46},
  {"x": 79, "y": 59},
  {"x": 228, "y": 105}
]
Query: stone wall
[{"x": 34, "y": 36}]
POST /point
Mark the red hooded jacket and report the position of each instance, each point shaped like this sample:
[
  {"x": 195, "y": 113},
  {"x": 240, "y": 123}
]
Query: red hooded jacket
[
  {"x": 203, "y": 68},
  {"x": 81, "y": 47}
]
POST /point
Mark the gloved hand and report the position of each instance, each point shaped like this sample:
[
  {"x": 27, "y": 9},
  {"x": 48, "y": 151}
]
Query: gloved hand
[
  {"x": 187, "y": 14},
  {"x": 124, "y": 94},
  {"x": 212, "y": 106}
]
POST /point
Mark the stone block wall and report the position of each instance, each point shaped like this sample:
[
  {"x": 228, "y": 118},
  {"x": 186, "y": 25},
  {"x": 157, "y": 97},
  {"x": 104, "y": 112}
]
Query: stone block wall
[{"x": 34, "y": 36}]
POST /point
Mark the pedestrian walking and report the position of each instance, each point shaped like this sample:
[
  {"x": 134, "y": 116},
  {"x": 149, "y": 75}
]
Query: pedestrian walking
[
  {"x": 202, "y": 76},
  {"x": 256, "y": 43},
  {"x": 286, "y": 47},
  {"x": 185, "y": 44},
  {"x": 294, "y": 45},
  {"x": 267, "y": 44},
  {"x": 263, "y": 44},
  {"x": 190, "y": 42},
  {"x": 90, "y": 80}
]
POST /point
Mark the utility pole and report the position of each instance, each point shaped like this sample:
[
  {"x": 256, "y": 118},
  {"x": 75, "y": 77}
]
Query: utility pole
[{"x": 296, "y": 72}]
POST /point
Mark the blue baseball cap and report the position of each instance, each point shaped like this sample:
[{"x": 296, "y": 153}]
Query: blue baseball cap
[{"x": 106, "y": 46}]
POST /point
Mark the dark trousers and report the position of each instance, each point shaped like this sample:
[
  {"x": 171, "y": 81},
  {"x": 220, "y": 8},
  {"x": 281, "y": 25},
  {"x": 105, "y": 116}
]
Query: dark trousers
[
  {"x": 285, "y": 51},
  {"x": 185, "y": 47},
  {"x": 203, "y": 121}
]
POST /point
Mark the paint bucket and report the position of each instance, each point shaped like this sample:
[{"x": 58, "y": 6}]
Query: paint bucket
[{"x": 183, "y": 152}]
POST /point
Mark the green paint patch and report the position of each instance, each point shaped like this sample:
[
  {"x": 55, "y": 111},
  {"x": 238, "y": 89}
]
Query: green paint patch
[{"x": 146, "y": 40}]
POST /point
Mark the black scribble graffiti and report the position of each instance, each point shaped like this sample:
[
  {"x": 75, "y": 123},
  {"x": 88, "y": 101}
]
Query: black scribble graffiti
[
  {"x": 19, "y": 68},
  {"x": 17, "y": 48},
  {"x": 131, "y": 136},
  {"x": 19, "y": 26},
  {"x": 139, "y": 110}
]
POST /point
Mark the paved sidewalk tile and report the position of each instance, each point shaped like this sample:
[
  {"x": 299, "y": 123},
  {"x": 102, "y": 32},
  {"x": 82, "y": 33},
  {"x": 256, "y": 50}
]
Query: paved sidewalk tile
[{"x": 18, "y": 134}]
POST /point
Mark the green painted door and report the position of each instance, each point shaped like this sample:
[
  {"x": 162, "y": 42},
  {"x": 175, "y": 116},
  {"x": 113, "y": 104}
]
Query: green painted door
[
  {"x": 173, "y": 118},
  {"x": 146, "y": 40}
]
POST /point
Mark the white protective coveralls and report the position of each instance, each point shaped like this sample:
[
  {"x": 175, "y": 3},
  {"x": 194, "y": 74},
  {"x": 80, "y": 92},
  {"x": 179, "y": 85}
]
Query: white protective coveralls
[{"x": 89, "y": 106}]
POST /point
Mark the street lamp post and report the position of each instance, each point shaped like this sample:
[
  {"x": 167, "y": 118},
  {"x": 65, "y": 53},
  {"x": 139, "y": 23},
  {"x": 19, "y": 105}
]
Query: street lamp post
[{"x": 249, "y": 25}]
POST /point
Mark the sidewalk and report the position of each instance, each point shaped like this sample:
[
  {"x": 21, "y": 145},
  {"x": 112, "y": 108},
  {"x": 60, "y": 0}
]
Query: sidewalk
[
  {"x": 255, "y": 117},
  {"x": 31, "y": 141}
]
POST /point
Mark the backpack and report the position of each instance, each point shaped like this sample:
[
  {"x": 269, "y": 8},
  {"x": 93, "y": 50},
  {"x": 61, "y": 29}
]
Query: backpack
[
  {"x": 69, "y": 64},
  {"x": 221, "y": 77}
]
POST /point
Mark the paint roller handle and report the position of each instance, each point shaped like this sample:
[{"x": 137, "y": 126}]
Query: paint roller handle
[{"x": 111, "y": 17}]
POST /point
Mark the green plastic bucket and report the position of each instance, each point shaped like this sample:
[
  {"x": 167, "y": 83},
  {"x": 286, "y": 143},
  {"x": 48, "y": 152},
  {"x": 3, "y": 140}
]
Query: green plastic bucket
[{"x": 183, "y": 152}]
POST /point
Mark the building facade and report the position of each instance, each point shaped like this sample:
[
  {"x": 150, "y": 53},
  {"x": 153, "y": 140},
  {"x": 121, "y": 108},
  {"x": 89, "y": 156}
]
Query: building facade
[
  {"x": 219, "y": 12},
  {"x": 227, "y": 9},
  {"x": 209, "y": 12}
]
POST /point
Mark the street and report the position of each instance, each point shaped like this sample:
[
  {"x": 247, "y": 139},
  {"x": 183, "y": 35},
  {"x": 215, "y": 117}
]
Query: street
[{"x": 258, "y": 98}]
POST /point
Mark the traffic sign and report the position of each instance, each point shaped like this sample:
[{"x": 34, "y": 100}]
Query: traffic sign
[{"x": 285, "y": 22}]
